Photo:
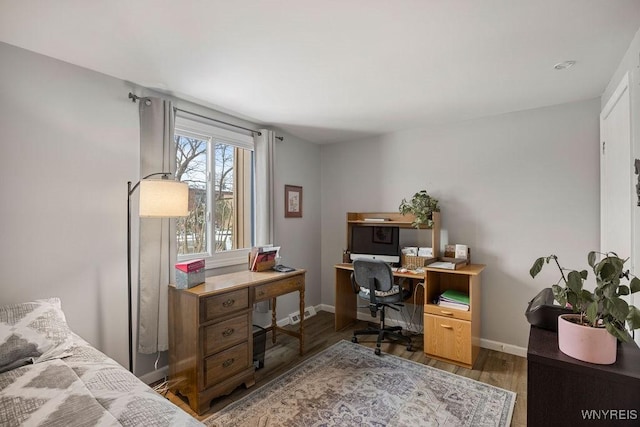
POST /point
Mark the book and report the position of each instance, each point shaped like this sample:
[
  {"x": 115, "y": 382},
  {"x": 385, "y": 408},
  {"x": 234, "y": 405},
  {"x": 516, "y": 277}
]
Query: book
[
  {"x": 262, "y": 254},
  {"x": 376, "y": 219},
  {"x": 452, "y": 295},
  {"x": 443, "y": 264},
  {"x": 449, "y": 304}
]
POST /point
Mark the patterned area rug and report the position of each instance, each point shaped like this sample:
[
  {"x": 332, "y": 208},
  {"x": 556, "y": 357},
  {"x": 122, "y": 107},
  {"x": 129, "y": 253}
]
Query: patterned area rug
[{"x": 348, "y": 385}]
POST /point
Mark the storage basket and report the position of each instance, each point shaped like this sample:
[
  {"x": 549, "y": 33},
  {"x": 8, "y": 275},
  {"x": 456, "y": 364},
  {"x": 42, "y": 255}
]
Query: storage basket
[{"x": 412, "y": 262}]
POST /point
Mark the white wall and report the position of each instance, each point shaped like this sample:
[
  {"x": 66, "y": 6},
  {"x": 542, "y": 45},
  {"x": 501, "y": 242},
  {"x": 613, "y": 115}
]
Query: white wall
[
  {"x": 298, "y": 163},
  {"x": 630, "y": 63},
  {"x": 513, "y": 187},
  {"x": 69, "y": 144}
]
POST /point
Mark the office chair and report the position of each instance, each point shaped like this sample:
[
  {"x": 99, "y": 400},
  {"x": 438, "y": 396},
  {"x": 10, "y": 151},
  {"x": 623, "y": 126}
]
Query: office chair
[{"x": 373, "y": 282}]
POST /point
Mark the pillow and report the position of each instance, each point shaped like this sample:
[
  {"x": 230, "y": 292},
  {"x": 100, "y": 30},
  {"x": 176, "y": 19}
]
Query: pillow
[
  {"x": 394, "y": 290},
  {"x": 33, "y": 332}
]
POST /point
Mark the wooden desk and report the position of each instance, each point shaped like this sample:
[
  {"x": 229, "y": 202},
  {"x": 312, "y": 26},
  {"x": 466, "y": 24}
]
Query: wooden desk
[
  {"x": 346, "y": 308},
  {"x": 211, "y": 334},
  {"x": 560, "y": 388}
]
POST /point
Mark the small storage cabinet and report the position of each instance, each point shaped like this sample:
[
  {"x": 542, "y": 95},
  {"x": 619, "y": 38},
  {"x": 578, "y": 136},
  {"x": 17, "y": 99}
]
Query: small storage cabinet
[{"x": 452, "y": 335}]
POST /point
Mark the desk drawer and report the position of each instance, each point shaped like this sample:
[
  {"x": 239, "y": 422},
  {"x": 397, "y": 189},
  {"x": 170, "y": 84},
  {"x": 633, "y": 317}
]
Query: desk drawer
[
  {"x": 447, "y": 338},
  {"x": 220, "y": 305},
  {"x": 281, "y": 287},
  {"x": 225, "y": 364},
  {"x": 220, "y": 336},
  {"x": 447, "y": 312}
]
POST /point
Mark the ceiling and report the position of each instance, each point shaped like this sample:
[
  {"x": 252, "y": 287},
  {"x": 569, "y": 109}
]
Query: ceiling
[{"x": 337, "y": 70}]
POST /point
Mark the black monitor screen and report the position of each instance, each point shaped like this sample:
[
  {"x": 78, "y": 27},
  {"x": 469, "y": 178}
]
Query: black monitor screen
[{"x": 371, "y": 240}]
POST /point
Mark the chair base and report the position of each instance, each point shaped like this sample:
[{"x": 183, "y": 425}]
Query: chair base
[{"x": 383, "y": 333}]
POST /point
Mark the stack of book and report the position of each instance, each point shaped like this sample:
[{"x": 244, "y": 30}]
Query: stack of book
[{"x": 454, "y": 299}]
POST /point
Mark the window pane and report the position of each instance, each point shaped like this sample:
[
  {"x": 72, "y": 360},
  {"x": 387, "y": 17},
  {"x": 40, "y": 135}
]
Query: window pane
[
  {"x": 191, "y": 167},
  {"x": 224, "y": 197}
]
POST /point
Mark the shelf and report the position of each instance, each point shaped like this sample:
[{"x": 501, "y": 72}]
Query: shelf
[{"x": 393, "y": 219}]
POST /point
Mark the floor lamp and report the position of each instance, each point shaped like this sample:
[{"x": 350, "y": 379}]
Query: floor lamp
[{"x": 159, "y": 198}]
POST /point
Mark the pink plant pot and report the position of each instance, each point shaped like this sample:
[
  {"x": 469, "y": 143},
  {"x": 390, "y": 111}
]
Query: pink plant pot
[{"x": 593, "y": 345}]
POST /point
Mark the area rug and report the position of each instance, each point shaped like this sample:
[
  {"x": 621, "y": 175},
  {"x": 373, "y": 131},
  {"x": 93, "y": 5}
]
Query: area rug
[{"x": 348, "y": 385}]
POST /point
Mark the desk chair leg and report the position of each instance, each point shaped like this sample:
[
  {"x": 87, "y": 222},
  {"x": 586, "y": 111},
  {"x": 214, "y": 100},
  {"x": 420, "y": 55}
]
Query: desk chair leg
[{"x": 382, "y": 332}]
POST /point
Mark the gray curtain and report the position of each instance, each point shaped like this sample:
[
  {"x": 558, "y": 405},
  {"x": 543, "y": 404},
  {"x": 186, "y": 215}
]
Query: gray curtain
[
  {"x": 157, "y": 235},
  {"x": 264, "y": 158},
  {"x": 264, "y": 149}
]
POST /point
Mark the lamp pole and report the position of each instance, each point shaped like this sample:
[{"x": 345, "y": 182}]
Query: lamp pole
[{"x": 130, "y": 190}]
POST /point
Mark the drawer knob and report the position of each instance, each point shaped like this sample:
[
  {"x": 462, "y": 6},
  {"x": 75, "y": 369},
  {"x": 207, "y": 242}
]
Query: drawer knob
[
  {"x": 228, "y": 362},
  {"x": 446, "y": 326},
  {"x": 448, "y": 313},
  {"x": 228, "y": 303},
  {"x": 228, "y": 332}
]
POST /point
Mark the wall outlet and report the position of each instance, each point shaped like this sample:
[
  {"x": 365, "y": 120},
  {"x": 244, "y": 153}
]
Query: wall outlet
[{"x": 294, "y": 318}]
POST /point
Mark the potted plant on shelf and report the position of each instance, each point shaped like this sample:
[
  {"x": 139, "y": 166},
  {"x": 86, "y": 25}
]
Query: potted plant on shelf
[
  {"x": 600, "y": 317},
  {"x": 422, "y": 206}
]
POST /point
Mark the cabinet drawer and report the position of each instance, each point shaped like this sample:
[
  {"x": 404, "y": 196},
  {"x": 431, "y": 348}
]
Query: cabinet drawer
[
  {"x": 220, "y": 336},
  {"x": 270, "y": 290},
  {"x": 447, "y": 312},
  {"x": 225, "y": 364},
  {"x": 447, "y": 338},
  {"x": 220, "y": 305}
]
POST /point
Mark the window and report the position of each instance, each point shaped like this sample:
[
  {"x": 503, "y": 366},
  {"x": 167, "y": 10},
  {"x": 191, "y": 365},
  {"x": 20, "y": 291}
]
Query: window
[{"x": 218, "y": 166}]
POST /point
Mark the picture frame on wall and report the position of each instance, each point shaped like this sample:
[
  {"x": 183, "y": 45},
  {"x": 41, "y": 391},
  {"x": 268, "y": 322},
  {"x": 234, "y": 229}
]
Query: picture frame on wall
[{"x": 292, "y": 201}]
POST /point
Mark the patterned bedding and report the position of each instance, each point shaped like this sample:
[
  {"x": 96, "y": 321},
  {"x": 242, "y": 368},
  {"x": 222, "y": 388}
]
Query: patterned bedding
[{"x": 85, "y": 388}]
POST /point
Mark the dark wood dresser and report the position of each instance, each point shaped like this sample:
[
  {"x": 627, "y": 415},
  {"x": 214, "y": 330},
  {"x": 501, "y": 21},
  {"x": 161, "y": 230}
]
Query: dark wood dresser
[{"x": 564, "y": 391}]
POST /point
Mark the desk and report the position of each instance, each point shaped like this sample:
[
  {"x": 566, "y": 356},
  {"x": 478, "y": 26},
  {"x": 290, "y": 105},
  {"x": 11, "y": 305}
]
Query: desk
[
  {"x": 346, "y": 308},
  {"x": 211, "y": 334}
]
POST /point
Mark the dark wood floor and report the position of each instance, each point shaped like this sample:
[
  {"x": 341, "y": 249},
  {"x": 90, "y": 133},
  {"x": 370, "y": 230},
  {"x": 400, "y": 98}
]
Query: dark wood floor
[{"x": 492, "y": 367}]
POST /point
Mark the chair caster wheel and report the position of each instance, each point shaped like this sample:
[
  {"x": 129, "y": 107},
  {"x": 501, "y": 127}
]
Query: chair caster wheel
[
  {"x": 377, "y": 352},
  {"x": 354, "y": 339}
]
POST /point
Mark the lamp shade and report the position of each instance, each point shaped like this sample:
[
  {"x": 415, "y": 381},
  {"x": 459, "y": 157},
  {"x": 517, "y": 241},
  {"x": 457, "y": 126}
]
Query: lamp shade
[{"x": 163, "y": 198}]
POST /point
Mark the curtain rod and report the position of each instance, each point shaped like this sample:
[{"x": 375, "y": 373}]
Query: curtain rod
[{"x": 135, "y": 98}]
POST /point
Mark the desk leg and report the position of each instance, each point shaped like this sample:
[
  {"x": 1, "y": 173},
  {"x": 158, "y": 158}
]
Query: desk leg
[
  {"x": 301, "y": 321},
  {"x": 345, "y": 300},
  {"x": 274, "y": 322}
]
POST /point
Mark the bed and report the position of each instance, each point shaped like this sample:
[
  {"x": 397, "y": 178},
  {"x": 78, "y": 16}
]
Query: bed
[{"x": 49, "y": 376}]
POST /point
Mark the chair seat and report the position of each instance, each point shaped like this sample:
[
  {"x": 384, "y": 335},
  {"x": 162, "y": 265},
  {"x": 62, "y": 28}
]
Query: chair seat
[{"x": 386, "y": 297}]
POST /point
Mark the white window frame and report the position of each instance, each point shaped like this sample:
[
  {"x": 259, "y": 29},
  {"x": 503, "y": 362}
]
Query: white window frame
[{"x": 212, "y": 134}]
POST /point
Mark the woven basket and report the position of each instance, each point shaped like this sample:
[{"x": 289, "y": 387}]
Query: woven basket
[{"x": 411, "y": 262}]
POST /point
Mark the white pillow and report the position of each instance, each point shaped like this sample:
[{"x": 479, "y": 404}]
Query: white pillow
[{"x": 33, "y": 332}]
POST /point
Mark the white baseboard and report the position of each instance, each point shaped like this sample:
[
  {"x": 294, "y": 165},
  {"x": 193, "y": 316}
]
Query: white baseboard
[
  {"x": 326, "y": 307},
  {"x": 484, "y": 343},
  {"x": 287, "y": 320},
  {"x": 155, "y": 376},
  {"x": 504, "y": 348}
]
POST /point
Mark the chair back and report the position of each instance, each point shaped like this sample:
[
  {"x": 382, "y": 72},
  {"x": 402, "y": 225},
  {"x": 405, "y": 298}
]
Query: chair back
[{"x": 380, "y": 271}]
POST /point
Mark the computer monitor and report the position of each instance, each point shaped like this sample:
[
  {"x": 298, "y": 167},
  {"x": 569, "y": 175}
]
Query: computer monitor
[{"x": 373, "y": 242}]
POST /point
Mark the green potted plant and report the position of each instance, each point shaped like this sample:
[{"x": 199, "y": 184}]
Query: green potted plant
[
  {"x": 422, "y": 206},
  {"x": 602, "y": 315}
]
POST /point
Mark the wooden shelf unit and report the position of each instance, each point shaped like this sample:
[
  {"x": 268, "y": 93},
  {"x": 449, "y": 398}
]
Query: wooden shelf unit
[
  {"x": 452, "y": 335},
  {"x": 393, "y": 219}
]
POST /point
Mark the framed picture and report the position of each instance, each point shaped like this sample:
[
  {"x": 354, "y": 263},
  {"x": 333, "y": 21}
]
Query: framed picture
[
  {"x": 292, "y": 201},
  {"x": 382, "y": 235}
]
